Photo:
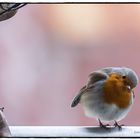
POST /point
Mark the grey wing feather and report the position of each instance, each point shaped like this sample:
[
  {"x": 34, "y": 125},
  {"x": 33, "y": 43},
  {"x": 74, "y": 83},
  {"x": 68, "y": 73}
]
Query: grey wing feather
[
  {"x": 93, "y": 78},
  {"x": 96, "y": 76},
  {"x": 76, "y": 100}
]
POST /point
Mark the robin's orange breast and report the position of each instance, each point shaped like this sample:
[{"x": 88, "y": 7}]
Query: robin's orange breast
[{"x": 116, "y": 92}]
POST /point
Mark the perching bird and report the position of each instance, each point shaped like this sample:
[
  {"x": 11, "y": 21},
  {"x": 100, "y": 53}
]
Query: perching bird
[{"x": 108, "y": 95}]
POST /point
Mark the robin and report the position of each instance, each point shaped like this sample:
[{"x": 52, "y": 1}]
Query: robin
[{"x": 108, "y": 95}]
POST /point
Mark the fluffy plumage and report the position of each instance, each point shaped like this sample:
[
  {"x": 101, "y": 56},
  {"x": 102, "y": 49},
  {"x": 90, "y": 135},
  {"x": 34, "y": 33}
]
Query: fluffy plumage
[{"x": 108, "y": 94}]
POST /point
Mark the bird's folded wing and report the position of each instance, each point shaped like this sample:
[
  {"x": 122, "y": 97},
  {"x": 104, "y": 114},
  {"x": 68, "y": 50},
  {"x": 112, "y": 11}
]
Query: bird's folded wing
[
  {"x": 96, "y": 76},
  {"x": 84, "y": 90},
  {"x": 93, "y": 78},
  {"x": 76, "y": 99}
]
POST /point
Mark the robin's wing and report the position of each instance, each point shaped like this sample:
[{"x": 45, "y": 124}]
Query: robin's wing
[
  {"x": 96, "y": 76},
  {"x": 93, "y": 78},
  {"x": 83, "y": 90},
  {"x": 76, "y": 100}
]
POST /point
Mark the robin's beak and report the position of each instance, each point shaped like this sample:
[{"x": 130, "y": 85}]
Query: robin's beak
[{"x": 128, "y": 87}]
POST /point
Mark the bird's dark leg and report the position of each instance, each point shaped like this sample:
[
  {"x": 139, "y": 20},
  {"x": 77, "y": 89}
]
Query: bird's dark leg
[
  {"x": 102, "y": 125},
  {"x": 117, "y": 125}
]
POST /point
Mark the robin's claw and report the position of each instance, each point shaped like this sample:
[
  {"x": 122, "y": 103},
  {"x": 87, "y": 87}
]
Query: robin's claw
[
  {"x": 118, "y": 125},
  {"x": 103, "y": 125}
]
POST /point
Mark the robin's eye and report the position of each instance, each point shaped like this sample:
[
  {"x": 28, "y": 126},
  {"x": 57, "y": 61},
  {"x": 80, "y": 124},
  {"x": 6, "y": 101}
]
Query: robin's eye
[{"x": 123, "y": 77}]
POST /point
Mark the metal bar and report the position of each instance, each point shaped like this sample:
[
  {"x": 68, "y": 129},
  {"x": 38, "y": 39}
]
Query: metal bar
[{"x": 72, "y": 132}]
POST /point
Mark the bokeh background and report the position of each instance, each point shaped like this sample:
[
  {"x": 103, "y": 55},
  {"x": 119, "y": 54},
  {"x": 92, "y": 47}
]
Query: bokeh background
[{"x": 48, "y": 50}]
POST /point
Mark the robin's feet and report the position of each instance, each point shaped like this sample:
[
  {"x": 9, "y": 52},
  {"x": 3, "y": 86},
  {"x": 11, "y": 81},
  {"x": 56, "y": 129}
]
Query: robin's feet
[
  {"x": 103, "y": 125},
  {"x": 118, "y": 125}
]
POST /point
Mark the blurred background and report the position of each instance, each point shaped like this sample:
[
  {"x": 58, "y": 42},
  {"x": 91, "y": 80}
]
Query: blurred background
[{"x": 47, "y": 52}]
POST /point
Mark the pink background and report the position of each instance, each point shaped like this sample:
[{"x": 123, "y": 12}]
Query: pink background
[{"x": 47, "y": 52}]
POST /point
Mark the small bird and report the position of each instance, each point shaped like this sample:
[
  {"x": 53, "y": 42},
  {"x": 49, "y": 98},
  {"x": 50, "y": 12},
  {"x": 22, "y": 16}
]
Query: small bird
[{"x": 108, "y": 95}]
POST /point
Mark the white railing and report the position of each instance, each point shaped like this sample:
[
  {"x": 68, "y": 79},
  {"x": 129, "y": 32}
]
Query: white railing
[{"x": 72, "y": 132}]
